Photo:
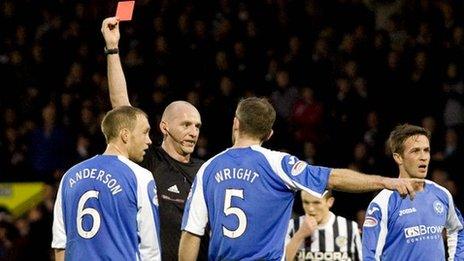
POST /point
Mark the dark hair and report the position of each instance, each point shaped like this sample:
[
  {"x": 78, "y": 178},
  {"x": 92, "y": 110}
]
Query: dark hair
[
  {"x": 123, "y": 117},
  {"x": 401, "y": 133},
  {"x": 256, "y": 117}
]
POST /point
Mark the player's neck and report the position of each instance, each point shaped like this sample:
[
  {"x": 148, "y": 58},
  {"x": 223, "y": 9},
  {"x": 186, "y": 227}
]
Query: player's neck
[
  {"x": 245, "y": 141},
  {"x": 115, "y": 149},
  {"x": 324, "y": 220},
  {"x": 171, "y": 151}
]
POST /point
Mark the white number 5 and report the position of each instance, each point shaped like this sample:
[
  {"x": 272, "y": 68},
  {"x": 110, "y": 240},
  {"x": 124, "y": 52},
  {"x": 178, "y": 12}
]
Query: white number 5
[
  {"x": 81, "y": 212},
  {"x": 228, "y": 210}
]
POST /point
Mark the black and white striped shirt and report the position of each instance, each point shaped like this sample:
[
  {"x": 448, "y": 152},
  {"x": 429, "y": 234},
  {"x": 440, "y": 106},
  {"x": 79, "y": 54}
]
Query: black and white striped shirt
[{"x": 338, "y": 239}]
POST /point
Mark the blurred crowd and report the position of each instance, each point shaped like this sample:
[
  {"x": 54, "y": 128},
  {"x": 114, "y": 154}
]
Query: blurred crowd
[{"x": 340, "y": 73}]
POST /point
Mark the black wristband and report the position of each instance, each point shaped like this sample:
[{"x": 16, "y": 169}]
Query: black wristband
[{"x": 111, "y": 51}]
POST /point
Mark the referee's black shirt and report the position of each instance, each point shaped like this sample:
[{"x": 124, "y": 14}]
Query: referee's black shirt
[{"x": 173, "y": 181}]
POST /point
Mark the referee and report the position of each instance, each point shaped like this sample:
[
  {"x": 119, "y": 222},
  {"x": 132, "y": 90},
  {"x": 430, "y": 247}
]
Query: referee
[
  {"x": 172, "y": 167},
  {"x": 320, "y": 234}
]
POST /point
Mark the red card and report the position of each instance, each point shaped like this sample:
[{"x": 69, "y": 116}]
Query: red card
[{"x": 124, "y": 10}]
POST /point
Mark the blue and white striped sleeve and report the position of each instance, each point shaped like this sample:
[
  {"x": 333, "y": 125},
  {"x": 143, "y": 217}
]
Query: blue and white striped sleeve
[
  {"x": 455, "y": 231},
  {"x": 195, "y": 216},
  {"x": 375, "y": 227},
  {"x": 148, "y": 217},
  {"x": 295, "y": 173},
  {"x": 149, "y": 247},
  {"x": 59, "y": 232}
]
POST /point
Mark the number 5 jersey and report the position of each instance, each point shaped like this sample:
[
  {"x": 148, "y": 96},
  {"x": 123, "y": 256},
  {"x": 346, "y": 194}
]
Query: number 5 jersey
[{"x": 245, "y": 195}]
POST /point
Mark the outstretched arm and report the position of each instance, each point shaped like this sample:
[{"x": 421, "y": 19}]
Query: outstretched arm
[
  {"x": 116, "y": 81},
  {"x": 351, "y": 181}
]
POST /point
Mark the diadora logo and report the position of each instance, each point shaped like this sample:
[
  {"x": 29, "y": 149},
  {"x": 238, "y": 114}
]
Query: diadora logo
[
  {"x": 438, "y": 207},
  {"x": 407, "y": 211},
  {"x": 422, "y": 232}
]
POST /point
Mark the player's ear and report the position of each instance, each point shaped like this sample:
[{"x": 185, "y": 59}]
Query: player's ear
[
  {"x": 236, "y": 124},
  {"x": 163, "y": 127},
  {"x": 398, "y": 159},
  {"x": 124, "y": 134},
  {"x": 330, "y": 201},
  {"x": 269, "y": 135}
]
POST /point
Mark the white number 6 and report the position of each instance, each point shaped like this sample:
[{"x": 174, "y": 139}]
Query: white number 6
[{"x": 81, "y": 212}]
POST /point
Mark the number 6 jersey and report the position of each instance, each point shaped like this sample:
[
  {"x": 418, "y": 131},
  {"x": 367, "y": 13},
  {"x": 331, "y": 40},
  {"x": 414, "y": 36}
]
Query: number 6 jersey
[
  {"x": 107, "y": 209},
  {"x": 246, "y": 196}
]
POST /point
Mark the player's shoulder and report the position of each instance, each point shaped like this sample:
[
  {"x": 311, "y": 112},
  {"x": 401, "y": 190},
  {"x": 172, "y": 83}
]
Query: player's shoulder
[
  {"x": 435, "y": 187},
  {"x": 215, "y": 160},
  {"x": 82, "y": 164},
  {"x": 384, "y": 197},
  {"x": 139, "y": 171},
  {"x": 344, "y": 219},
  {"x": 438, "y": 189},
  {"x": 268, "y": 153}
]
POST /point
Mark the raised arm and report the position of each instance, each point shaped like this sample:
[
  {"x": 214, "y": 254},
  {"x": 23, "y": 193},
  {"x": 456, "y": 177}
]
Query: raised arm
[{"x": 116, "y": 81}]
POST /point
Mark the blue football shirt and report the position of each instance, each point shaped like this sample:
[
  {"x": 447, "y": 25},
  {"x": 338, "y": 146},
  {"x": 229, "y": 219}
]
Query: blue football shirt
[
  {"x": 107, "y": 209},
  {"x": 404, "y": 229},
  {"x": 246, "y": 197}
]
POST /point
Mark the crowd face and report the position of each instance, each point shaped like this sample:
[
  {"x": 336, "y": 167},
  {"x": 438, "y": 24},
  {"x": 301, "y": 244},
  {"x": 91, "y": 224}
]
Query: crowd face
[
  {"x": 139, "y": 139},
  {"x": 316, "y": 207},
  {"x": 414, "y": 160}
]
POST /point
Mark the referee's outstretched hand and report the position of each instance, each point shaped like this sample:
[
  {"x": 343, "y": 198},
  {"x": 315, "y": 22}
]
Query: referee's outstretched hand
[{"x": 405, "y": 186}]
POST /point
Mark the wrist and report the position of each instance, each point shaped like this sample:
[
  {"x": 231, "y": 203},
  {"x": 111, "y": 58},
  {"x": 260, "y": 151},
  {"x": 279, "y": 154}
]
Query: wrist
[
  {"x": 107, "y": 50},
  {"x": 300, "y": 235},
  {"x": 385, "y": 183}
]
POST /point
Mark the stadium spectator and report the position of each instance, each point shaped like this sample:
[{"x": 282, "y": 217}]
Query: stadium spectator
[{"x": 320, "y": 234}]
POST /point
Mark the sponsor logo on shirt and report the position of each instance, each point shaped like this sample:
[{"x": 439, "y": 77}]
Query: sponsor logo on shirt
[
  {"x": 370, "y": 222},
  {"x": 341, "y": 241},
  {"x": 438, "y": 207},
  {"x": 173, "y": 189},
  {"x": 422, "y": 232},
  {"x": 407, "y": 211},
  {"x": 372, "y": 210},
  {"x": 298, "y": 168},
  {"x": 308, "y": 255}
]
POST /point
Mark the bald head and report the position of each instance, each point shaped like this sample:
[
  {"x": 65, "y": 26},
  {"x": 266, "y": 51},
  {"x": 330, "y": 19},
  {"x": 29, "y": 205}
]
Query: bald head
[
  {"x": 180, "y": 125},
  {"x": 176, "y": 108}
]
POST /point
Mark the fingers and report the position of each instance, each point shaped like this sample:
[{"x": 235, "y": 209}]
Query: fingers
[
  {"x": 402, "y": 189},
  {"x": 418, "y": 184},
  {"x": 110, "y": 23},
  {"x": 411, "y": 191}
]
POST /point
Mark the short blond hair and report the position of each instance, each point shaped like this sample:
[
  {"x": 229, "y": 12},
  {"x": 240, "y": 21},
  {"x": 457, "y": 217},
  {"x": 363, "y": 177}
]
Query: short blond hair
[{"x": 123, "y": 117}]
